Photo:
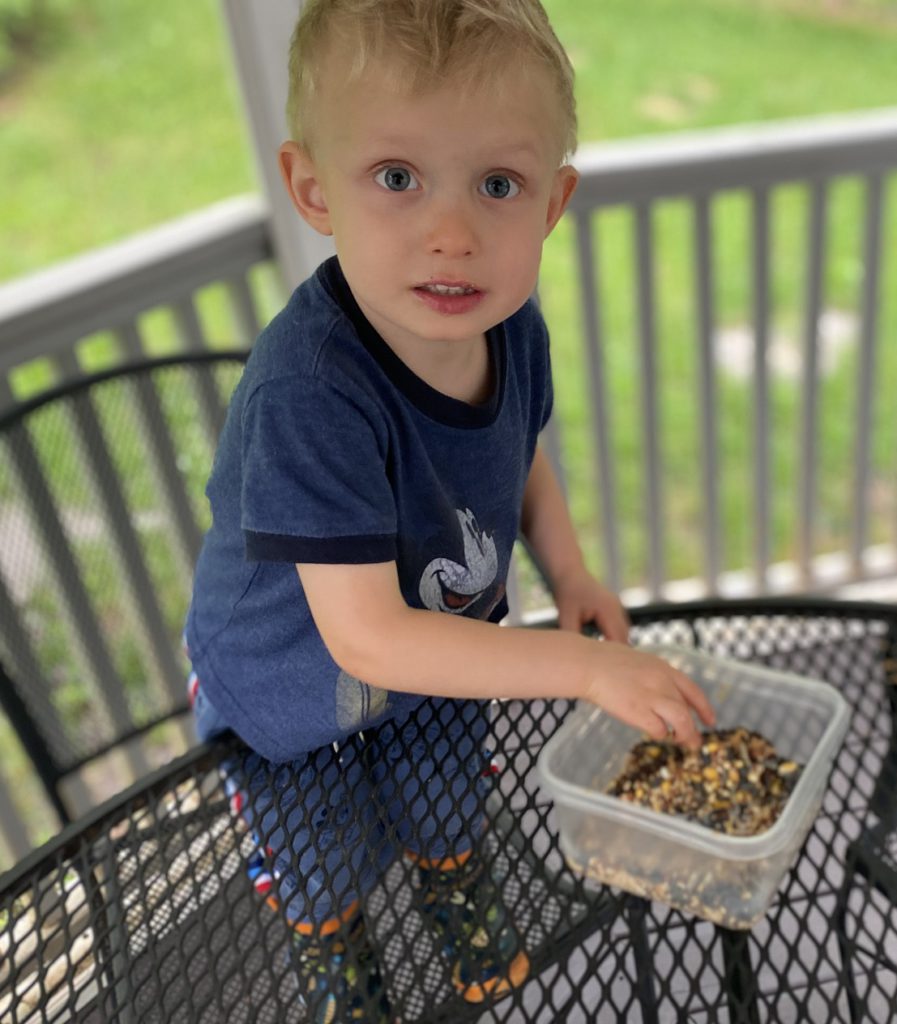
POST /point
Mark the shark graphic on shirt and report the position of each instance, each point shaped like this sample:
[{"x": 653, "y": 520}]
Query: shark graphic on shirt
[
  {"x": 445, "y": 585},
  {"x": 449, "y": 586}
]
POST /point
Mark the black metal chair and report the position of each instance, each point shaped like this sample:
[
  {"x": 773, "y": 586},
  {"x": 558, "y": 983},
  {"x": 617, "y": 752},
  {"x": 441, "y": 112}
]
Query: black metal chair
[
  {"x": 142, "y": 911},
  {"x": 102, "y": 511},
  {"x": 870, "y": 940}
]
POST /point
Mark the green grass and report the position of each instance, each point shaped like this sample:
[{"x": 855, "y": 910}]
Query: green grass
[
  {"x": 663, "y": 65},
  {"x": 133, "y": 118}
]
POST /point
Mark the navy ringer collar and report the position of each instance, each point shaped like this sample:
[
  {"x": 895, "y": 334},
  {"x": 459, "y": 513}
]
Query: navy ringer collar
[{"x": 438, "y": 406}]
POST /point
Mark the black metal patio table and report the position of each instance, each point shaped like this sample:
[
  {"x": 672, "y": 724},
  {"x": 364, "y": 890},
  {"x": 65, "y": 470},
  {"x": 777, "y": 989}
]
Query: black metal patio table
[{"x": 142, "y": 911}]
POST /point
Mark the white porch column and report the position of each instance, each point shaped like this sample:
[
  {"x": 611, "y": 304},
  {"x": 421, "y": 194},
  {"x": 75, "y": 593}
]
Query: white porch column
[{"x": 260, "y": 33}]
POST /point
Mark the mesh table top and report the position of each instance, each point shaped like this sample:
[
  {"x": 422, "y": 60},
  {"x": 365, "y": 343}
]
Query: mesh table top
[{"x": 142, "y": 911}]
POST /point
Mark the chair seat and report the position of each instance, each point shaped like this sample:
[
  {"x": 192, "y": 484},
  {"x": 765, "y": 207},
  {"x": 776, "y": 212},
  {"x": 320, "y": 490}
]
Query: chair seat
[{"x": 143, "y": 910}]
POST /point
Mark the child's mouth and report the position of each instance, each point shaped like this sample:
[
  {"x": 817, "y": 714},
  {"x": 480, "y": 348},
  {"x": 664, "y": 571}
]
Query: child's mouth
[{"x": 449, "y": 298}]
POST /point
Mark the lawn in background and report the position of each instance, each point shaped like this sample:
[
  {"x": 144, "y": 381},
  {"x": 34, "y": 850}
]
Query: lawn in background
[{"x": 132, "y": 117}]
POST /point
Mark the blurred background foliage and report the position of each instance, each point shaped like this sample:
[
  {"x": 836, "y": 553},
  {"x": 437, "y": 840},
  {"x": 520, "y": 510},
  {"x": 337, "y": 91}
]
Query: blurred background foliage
[{"x": 119, "y": 114}]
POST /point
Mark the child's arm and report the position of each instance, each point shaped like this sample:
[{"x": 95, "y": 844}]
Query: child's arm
[
  {"x": 546, "y": 524},
  {"x": 375, "y": 636}
]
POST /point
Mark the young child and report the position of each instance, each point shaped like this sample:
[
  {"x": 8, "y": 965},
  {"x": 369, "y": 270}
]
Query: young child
[{"x": 379, "y": 457}]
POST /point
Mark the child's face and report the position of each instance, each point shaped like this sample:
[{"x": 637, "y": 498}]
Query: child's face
[{"x": 438, "y": 203}]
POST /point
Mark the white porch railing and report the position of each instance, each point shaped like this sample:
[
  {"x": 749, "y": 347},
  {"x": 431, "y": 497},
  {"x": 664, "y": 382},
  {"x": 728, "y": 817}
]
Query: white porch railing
[
  {"x": 53, "y": 315},
  {"x": 698, "y": 172},
  {"x": 207, "y": 281},
  {"x": 150, "y": 292},
  {"x": 49, "y": 315}
]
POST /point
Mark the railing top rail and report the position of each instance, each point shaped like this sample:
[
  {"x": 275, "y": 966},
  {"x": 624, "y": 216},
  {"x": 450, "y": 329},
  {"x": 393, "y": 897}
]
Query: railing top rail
[
  {"x": 742, "y": 156},
  {"x": 96, "y": 290}
]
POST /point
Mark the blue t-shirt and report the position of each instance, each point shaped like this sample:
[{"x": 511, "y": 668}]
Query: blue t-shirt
[{"x": 334, "y": 451}]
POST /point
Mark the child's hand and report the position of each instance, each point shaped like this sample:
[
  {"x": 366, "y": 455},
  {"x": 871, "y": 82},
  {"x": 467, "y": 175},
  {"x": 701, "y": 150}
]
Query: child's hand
[
  {"x": 580, "y": 599},
  {"x": 647, "y": 693}
]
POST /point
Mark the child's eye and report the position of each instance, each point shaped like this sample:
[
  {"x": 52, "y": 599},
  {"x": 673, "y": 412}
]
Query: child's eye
[
  {"x": 396, "y": 179},
  {"x": 499, "y": 186}
]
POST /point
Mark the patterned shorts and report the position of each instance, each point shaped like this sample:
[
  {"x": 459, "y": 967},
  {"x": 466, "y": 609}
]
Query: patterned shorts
[{"x": 327, "y": 825}]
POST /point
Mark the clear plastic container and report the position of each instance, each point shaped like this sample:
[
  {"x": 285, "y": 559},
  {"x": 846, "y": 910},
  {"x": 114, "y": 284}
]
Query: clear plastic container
[{"x": 727, "y": 879}]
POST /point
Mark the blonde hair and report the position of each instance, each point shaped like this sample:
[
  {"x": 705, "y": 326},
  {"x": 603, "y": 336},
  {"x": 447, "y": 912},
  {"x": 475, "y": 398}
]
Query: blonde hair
[{"x": 427, "y": 40}]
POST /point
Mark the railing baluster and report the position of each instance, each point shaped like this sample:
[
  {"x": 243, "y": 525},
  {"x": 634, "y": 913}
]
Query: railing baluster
[
  {"x": 760, "y": 275},
  {"x": 158, "y": 439},
  {"x": 189, "y": 326},
  {"x": 130, "y": 338},
  {"x": 650, "y": 432},
  {"x": 67, "y": 366},
  {"x": 194, "y": 340},
  {"x": 866, "y": 368},
  {"x": 182, "y": 515},
  {"x": 244, "y": 310},
  {"x": 108, "y": 490},
  {"x": 48, "y": 523},
  {"x": 807, "y": 453},
  {"x": 601, "y": 431},
  {"x": 709, "y": 442},
  {"x": 550, "y": 440}
]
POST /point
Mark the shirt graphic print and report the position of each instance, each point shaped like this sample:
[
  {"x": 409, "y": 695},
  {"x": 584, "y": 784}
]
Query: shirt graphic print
[{"x": 446, "y": 585}]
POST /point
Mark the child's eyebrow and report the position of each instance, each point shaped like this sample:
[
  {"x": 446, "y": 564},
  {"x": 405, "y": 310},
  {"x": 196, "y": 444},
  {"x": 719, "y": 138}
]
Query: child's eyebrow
[
  {"x": 518, "y": 147},
  {"x": 501, "y": 152},
  {"x": 495, "y": 152}
]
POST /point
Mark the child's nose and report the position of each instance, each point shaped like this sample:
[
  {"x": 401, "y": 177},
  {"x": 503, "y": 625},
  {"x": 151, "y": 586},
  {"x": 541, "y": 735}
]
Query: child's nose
[{"x": 453, "y": 232}]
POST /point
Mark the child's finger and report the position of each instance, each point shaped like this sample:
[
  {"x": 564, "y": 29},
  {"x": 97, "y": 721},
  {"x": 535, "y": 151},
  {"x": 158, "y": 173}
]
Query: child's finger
[
  {"x": 615, "y": 624},
  {"x": 679, "y": 725},
  {"x": 695, "y": 696},
  {"x": 569, "y": 616}
]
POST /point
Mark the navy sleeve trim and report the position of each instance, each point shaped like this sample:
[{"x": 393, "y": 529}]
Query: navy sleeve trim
[{"x": 358, "y": 550}]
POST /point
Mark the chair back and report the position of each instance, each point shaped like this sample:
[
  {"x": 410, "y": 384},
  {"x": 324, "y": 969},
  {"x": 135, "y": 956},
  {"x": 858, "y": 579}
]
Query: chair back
[{"x": 102, "y": 512}]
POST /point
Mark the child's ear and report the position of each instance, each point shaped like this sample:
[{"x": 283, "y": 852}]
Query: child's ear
[
  {"x": 566, "y": 179},
  {"x": 301, "y": 179}
]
